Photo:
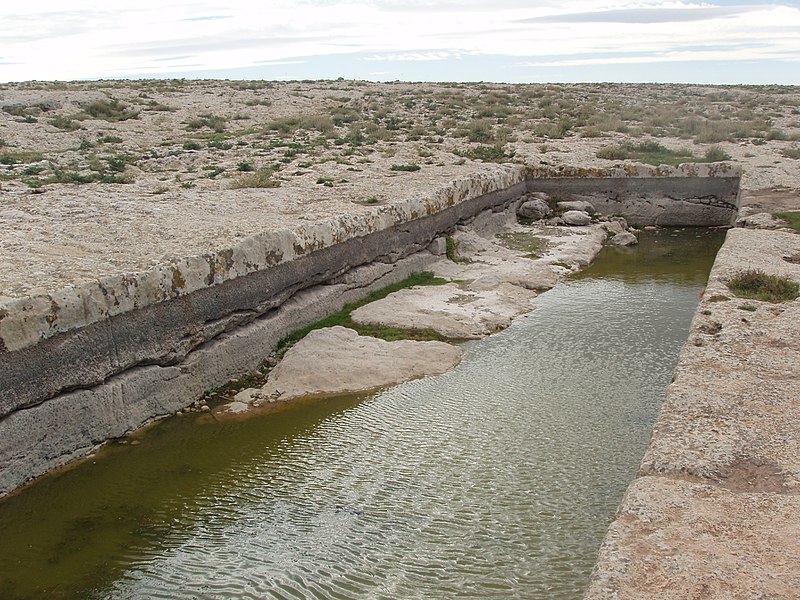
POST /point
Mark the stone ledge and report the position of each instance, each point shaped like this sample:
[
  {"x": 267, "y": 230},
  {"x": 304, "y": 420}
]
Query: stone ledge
[
  {"x": 675, "y": 540},
  {"x": 715, "y": 509}
]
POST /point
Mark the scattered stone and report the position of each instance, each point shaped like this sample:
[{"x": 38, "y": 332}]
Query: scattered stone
[
  {"x": 576, "y": 217},
  {"x": 612, "y": 227},
  {"x": 581, "y": 205},
  {"x": 534, "y": 209},
  {"x": 624, "y": 239},
  {"x": 438, "y": 246}
]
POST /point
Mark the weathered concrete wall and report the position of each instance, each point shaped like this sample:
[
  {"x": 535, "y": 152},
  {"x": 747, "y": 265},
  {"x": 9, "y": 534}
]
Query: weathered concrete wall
[
  {"x": 86, "y": 364},
  {"x": 704, "y": 195},
  {"x": 714, "y": 511}
]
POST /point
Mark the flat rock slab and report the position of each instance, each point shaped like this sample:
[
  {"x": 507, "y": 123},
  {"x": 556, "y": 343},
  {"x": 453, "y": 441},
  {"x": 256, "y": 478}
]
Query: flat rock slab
[
  {"x": 676, "y": 540},
  {"x": 336, "y": 360},
  {"x": 449, "y": 310}
]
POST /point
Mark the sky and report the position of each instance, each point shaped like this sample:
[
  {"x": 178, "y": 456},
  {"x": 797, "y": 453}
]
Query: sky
[{"x": 515, "y": 41}]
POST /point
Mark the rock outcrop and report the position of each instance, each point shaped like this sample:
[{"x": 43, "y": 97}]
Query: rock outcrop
[{"x": 336, "y": 360}]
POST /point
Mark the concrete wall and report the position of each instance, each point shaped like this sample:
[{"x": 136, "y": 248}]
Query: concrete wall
[{"x": 86, "y": 364}]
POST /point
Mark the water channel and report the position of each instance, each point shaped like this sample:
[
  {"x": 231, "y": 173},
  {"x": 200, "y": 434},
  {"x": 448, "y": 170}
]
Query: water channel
[{"x": 497, "y": 479}]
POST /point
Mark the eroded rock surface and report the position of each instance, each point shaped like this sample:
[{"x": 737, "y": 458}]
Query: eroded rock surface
[
  {"x": 336, "y": 360},
  {"x": 500, "y": 268}
]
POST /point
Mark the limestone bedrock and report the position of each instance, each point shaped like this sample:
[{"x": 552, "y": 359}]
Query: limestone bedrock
[
  {"x": 336, "y": 360},
  {"x": 501, "y": 266}
]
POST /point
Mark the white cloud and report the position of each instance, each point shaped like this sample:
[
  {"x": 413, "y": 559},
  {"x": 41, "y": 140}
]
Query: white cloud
[
  {"x": 414, "y": 56},
  {"x": 70, "y": 39}
]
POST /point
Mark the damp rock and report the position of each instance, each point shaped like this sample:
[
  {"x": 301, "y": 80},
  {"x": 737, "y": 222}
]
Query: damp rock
[{"x": 625, "y": 238}]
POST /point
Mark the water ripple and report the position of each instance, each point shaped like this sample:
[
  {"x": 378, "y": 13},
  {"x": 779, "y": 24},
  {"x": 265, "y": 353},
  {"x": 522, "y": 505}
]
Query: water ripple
[{"x": 495, "y": 480}]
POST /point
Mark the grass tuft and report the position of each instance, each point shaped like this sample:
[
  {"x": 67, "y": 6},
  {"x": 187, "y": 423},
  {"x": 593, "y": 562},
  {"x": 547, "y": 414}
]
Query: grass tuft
[
  {"x": 791, "y": 217},
  {"x": 760, "y": 286},
  {"x": 390, "y": 334},
  {"x": 257, "y": 179}
]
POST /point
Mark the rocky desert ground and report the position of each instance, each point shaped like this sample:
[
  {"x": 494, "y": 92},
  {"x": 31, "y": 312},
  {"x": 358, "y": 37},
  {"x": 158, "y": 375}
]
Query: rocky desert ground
[{"x": 110, "y": 177}]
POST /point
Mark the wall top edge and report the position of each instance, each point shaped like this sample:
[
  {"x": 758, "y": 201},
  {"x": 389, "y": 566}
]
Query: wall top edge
[{"x": 27, "y": 320}]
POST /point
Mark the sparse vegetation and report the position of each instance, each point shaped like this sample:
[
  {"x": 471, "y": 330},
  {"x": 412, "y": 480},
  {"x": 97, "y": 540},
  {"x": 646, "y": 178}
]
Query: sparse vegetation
[
  {"x": 487, "y": 153},
  {"x": 523, "y": 241},
  {"x": 13, "y": 158},
  {"x": 792, "y": 218},
  {"x": 213, "y": 122},
  {"x": 111, "y": 110},
  {"x": 410, "y": 167},
  {"x": 65, "y": 123},
  {"x": 262, "y": 178},
  {"x": 761, "y": 286},
  {"x": 343, "y": 317},
  {"x": 651, "y": 153},
  {"x": 716, "y": 154}
]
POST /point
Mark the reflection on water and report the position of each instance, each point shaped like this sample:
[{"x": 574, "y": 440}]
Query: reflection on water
[{"x": 497, "y": 479}]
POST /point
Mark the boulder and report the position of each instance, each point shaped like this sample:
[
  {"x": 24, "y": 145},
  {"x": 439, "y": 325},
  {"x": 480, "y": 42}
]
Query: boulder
[
  {"x": 613, "y": 227},
  {"x": 626, "y": 238},
  {"x": 534, "y": 209},
  {"x": 583, "y": 205},
  {"x": 576, "y": 217}
]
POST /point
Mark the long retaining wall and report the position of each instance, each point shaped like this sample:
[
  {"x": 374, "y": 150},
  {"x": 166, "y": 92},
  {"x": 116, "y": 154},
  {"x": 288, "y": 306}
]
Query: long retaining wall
[{"x": 86, "y": 364}]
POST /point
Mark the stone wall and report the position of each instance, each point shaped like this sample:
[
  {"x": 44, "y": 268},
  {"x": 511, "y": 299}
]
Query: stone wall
[
  {"x": 705, "y": 195},
  {"x": 86, "y": 364}
]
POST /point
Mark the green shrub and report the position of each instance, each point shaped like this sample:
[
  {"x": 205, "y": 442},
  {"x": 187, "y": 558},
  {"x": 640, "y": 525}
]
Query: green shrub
[
  {"x": 258, "y": 179},
  {"x": 496, "y": 153},
  {"x": 12, "y": 158},
  {"x": 716, "y": 154},
  {"x": 214, "y": 122},
  {"x": 109, "y": 110},
  {"x": 648, "y": 152},
  {"x": 286, "y": 125},
  {"x": 760, "y": 286},
  {"x": 791, "y": 153},
  {"x": 65, "y": 123},
  {"x": 411, "y": 167}
]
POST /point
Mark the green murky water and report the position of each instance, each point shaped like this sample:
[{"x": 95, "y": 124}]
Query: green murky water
[{"x": 497, "y": 479}]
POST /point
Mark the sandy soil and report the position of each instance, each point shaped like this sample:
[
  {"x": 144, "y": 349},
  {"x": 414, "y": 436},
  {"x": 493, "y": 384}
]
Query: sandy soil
[{"x": 104, "y": 178}]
